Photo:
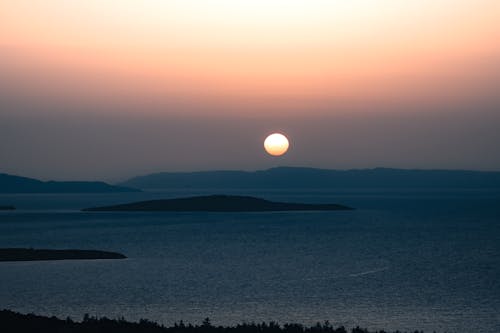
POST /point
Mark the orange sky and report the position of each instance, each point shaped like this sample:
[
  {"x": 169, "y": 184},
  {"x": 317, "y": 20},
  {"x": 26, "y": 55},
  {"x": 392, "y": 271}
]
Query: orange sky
[
  {"x": 256, "y": 54},
  {"x": 102, "y": 89}
]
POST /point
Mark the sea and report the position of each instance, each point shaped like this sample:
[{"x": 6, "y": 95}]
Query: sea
[{"x": 404, "y": 259}]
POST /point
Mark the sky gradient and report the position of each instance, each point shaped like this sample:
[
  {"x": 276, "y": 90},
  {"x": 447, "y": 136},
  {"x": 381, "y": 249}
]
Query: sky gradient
[{"x": 110, "y": 89}]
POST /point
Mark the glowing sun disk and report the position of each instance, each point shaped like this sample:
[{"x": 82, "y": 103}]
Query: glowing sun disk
[{"x": 276, "y": 144}]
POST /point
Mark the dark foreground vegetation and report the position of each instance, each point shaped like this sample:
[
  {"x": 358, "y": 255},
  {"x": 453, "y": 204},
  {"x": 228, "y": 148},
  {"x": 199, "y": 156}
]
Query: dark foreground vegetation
[
  {"x": 11, "y": 322},
  {"x": 20, "y": 254},
  {"x": 217, "y": 203}
]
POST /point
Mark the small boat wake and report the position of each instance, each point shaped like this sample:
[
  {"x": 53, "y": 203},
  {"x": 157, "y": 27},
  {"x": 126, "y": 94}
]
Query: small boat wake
[
  {"x": 373, "y": 271},
  {"x": 369, "y": 272}
]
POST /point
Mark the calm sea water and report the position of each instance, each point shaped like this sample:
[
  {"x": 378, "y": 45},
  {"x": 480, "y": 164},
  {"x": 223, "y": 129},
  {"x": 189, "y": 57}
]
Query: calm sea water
[{"x": 403, "y": 260}]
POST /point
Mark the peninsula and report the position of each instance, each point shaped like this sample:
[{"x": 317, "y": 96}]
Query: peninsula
[
  {"x": 22, "y": 254},
  {"x": 7, "y": 208},
  {"x": 17, "y": 184},
  {"x": 218, "y": 203}
]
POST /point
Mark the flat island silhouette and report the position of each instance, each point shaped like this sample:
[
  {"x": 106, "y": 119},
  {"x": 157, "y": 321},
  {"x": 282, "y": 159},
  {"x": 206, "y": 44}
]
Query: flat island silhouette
[
  {"x": 23, "y": 254},
  {"x": 218, "y": 203},
  {"x": 7, "y": 208}
]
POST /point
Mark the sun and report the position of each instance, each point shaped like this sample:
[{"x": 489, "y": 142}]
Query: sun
[{"x": 276, "y": 144}]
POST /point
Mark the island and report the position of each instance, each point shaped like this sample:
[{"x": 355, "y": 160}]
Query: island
[
  {"x": 7, "y": 208},
  {"x": 23, "y": 254},
  {"x": 218, "y": 203}
]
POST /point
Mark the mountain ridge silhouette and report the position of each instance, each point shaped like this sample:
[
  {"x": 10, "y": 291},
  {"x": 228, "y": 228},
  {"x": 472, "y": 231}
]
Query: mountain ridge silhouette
[{"x": 301, "y": 177}]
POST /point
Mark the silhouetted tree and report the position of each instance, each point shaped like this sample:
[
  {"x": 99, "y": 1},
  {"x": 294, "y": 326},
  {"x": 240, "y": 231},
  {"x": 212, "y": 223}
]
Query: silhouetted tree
[{"x": 12, "y": 322}]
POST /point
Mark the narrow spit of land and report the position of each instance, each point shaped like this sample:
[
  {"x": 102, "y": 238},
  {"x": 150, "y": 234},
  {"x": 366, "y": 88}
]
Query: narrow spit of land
[{"x": 22, "y": 254}]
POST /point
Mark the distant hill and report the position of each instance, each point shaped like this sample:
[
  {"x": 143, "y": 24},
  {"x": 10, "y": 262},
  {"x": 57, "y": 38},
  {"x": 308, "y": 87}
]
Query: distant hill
[
  {"x": 218, "y": 203},
  {"x": 17, "y": 184},
  {"x": 289, "y": 177}
]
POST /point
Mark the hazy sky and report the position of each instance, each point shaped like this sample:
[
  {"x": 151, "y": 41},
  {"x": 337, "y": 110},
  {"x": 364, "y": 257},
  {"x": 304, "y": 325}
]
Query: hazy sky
[{"x": 102, "y": 89}]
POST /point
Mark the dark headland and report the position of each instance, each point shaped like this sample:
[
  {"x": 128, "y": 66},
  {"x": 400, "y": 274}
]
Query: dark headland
[
  {"x": 21, "y": 254},
  {"x": 17, "y": 184},
  {"x": 7, "y": 208},
  {"x": 218, "y": 203}
]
